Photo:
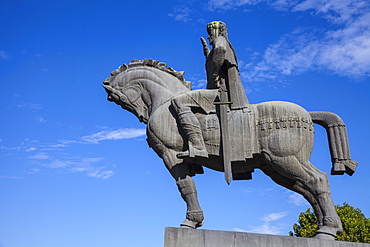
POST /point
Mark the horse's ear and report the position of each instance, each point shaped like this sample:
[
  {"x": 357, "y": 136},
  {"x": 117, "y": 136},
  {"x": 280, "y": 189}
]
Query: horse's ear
[
  {"x": 114, "y": 72},
  {"x": 106, "y": 87},
  {"x": 123, "y": 67}
]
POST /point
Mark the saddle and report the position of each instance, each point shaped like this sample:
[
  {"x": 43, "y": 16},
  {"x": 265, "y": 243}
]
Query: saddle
[{"x": 242, "y": 133}]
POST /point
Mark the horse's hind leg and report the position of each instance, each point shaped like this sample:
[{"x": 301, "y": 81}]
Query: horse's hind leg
[
  {"x": 294, "y": 186},
  {"x": 182, "y": 174},
  {"x": 319, "y": 187},
  {"x": 316, "y": 182}
]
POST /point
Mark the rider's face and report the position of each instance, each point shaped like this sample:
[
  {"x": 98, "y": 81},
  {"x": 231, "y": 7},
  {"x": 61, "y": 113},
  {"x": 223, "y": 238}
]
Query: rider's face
[{"x": 211, "y": 36}]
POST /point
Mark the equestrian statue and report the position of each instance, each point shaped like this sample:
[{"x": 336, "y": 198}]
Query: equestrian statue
[{"x": 218, "y": 128}]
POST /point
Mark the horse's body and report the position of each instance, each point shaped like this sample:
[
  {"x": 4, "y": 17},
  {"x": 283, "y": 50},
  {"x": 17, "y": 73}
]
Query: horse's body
[{"x": 284, "y": 135}]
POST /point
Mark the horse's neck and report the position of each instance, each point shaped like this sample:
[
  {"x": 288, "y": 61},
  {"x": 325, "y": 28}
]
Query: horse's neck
[{"x": 158, "y": 94}]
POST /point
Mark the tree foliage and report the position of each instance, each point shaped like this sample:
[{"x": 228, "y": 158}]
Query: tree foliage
[{"x": 356, "y": 227}]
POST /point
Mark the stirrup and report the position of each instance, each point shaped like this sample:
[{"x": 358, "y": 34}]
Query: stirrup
[{"x": 192, "y": 153}]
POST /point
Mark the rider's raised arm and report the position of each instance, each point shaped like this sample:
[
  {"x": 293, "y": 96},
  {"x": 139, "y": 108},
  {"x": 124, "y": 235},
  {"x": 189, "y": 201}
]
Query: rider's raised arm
[{"x": 206, "y": 49}]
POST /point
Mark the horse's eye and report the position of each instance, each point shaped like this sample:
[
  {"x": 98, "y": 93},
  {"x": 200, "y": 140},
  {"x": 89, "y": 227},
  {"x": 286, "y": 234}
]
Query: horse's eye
[{"x": 123, "y": 98}]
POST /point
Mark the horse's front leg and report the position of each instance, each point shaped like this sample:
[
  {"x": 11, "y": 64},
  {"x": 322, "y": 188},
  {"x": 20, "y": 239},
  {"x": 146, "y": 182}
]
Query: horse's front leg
[
  {"x": 194, "y": 214},
  {"x": 182, "y": 174}
]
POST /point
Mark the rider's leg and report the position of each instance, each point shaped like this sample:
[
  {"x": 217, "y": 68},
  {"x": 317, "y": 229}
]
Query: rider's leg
[{"x": 191, "y": 126}]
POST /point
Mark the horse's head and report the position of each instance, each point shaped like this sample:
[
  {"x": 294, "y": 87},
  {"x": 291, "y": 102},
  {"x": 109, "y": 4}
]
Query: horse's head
[
  {"x": 143, "y": 85},
  {"x": 129, "y": 97}
]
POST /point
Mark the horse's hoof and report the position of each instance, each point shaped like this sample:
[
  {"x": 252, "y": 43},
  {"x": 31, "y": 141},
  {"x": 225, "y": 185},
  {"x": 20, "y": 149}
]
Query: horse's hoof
[
  {"x": 327, "y": 233},
  {"x": 199, "y": 224},
  {"x": 194, "y": 219},
  {"x": 188, "y": 224},
  {"x": 324, "y": 236}
]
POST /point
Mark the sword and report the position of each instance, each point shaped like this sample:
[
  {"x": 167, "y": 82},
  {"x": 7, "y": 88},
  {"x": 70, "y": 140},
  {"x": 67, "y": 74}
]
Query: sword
[{"x": 224, "y": 105}]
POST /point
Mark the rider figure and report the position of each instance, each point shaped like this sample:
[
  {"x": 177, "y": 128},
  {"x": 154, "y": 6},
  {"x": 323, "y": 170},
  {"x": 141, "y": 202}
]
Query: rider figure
[{"x": 221, "y": 67}]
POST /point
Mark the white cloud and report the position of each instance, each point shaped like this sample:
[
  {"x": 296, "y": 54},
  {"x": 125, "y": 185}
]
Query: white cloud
[
  {"x": 266, "y": 227},
  {"x": 4, "y": 55},
  {"x": 230, "y": 4},
  {"x": 333, "y": 10},
  {"x": 10, "y": 177},
  {"x": 239, "y": 230},
  {"x": 33, "y": 171},
  {"x": 85, "y": 165},
  {"x": 181, "y": 13},
  {"x": 52, "y": 147},
  {"x": 66, "y": 142},
  {"x": 58, "y": 164},
  {"x": 47, "y": 159},
  {"x": 297, "y": 199},
  {"x": 91, "y": 160},
  {"x": 8, "y": 148},
  {"x": 40, "y": 156},
  {"x": 337, "y": 11},
  {"x": 345, "y": 52},
  {"x": 283, "y": 4},
  {"x": 101, "y": 173},
  {"x": 200, "y": 84},
  {"x": 40, "y": 119},
  {"x": 256, "y": 191},
  {"x": 75, "y": 164},
  {"x": 342, "y": 47},
  {"x": 55, "y": 146},
  {"x": 274, "y": 216},
  {"x": 32, "y": 106},
  {"x": 114, "y": 135}
]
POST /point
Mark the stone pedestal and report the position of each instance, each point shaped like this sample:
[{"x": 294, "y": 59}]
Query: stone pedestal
[{"x": 181, "y": 237}]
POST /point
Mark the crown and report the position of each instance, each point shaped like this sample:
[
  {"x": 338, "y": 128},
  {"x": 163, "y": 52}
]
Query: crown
[{"x": 213, "y": 25}]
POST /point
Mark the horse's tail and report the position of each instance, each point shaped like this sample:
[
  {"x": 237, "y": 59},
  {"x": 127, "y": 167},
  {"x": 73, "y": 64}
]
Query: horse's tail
[{"x": 338, "y": 142}]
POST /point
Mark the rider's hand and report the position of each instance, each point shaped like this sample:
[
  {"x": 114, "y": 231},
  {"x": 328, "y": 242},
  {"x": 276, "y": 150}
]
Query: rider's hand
[
  {"x": 206, "y": 49},
  {"x": 217, "y": 80}
]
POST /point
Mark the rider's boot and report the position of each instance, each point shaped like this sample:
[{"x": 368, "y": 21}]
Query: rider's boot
[
  {"x": 192, "y": 129},
  {"x": 196, "y": 149}
]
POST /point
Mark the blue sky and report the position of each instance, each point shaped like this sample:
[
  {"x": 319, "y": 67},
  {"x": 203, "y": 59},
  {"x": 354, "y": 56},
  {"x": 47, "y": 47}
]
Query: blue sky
[{"x": 75, "y": 169}]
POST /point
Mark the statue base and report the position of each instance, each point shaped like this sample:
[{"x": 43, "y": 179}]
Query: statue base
[{"x": 183, "y": 237}]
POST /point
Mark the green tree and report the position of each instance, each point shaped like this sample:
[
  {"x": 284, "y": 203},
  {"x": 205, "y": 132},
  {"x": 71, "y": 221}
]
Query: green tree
[{"x": 356, "y": 227}]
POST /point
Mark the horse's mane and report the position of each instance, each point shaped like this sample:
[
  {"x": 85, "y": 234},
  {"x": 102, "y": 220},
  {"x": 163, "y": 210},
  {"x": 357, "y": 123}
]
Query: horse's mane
[{"x": 155, "y": 64}]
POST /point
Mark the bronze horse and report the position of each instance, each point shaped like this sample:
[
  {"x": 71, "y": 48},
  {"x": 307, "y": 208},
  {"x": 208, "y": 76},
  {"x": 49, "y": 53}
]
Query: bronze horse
[{"x": 282, "y": 140}]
